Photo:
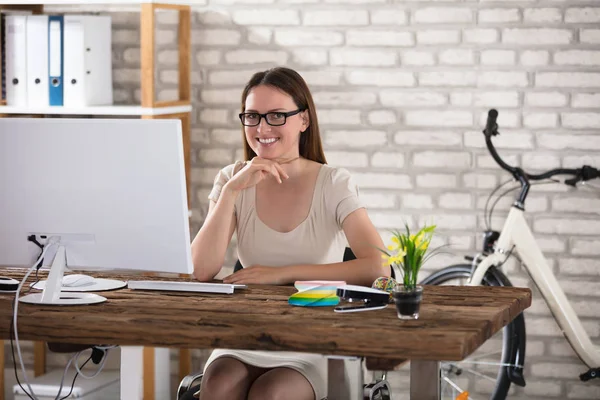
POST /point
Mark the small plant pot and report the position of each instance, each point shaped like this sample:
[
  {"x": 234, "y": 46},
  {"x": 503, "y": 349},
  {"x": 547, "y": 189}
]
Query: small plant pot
[{"x": 408, "y": 301}]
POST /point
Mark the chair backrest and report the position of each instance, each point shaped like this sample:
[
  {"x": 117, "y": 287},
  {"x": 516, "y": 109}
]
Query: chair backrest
[{"x": 348, "y": 255}]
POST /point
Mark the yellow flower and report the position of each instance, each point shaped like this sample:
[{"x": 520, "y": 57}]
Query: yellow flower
[
  {"x": 397, "y": 258},
  {"x": 407, "y": 252},
  {"x": 419, "y": 241}
]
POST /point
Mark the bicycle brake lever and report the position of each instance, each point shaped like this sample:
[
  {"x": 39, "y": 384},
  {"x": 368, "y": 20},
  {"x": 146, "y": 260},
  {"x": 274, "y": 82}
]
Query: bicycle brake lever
[
  {"x": 585, "y": 173},
  {"x": 573, "y": 181}
]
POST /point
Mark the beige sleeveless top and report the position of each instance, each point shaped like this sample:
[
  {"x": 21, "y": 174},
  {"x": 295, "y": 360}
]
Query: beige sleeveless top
[{"x": 319, "y": 239}]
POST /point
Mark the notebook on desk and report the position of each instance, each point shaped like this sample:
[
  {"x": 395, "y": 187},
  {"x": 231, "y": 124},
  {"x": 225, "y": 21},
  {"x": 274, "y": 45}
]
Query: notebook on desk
[{"x": 201, "y": 287}]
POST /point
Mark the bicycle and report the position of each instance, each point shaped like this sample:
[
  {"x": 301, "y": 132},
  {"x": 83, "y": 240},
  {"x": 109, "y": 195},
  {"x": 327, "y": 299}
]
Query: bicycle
[{"x": 517, "y": 240}]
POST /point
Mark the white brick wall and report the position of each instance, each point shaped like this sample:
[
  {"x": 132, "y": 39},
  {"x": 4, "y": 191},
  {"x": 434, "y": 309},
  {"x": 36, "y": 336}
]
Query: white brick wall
[
  {"x": 536, "y": 36},
  {"x": 441, "y": 14},
  {"x": 266, "y": 17},
  {"x": 542, "y": 15},
  {"x": 534, "y": 58},
  {"x": 335, "y": 17},
  {"x": 402, "y": 90},
  {"x": 499, "y": 15},
  {"x": 301, "y": 37},
  {"x": 498, "y": 57},
  {"x": 354, "y": 57}
]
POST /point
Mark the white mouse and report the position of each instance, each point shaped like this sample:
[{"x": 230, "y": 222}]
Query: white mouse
[{"x": 77, "y": 280}]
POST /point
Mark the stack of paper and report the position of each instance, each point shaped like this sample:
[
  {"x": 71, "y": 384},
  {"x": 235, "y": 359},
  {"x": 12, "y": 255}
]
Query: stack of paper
[{"x": 316, "y": 293}]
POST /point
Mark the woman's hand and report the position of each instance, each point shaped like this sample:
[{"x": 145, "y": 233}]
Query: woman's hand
[
  {"x": 258, "y": 274},
  {"x": 255, "y": 171}
]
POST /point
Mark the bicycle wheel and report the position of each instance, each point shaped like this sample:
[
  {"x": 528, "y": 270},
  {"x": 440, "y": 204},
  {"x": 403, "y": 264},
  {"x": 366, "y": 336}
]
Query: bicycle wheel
[{"x": 484, "y": 373}]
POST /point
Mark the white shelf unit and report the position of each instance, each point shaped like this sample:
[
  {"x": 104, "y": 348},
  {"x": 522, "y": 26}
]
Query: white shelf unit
[
  {"x": 94, "y": 2},
  {"x": 116, "y": 110},
  {"x": 149, "y": 108}
]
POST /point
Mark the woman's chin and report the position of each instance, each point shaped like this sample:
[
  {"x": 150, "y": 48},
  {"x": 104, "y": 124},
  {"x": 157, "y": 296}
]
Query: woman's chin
[
  {"x": 267, "y": 154},
  {"x": 270, "y": 153}
]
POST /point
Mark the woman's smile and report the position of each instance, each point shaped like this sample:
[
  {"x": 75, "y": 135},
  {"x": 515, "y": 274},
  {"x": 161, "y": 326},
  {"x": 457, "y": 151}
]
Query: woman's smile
[{"x": 267, "y": 141}]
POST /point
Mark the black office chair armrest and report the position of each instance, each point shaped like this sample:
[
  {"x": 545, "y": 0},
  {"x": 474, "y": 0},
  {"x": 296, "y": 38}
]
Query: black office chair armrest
[
  {"x": 187, "y": 383},
  {"x": 238, "y": 266}
]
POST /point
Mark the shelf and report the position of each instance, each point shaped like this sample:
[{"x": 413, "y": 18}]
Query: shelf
[
  {"x": 94, "y": 2},
  {"x": 96, "y": 110},
  {"x": 57, "y": 6}
]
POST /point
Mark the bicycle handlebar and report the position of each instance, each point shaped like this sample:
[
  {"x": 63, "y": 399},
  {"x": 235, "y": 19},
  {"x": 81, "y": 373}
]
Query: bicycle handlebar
[{"x": 579, "y": 174}]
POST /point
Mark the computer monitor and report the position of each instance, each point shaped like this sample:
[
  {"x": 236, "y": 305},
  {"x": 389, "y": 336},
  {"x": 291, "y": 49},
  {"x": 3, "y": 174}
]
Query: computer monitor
[{"x": 112, "y": 192}]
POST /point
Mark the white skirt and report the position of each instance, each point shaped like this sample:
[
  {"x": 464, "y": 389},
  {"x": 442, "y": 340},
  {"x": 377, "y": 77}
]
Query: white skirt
[{"x": 312, "y": 366}]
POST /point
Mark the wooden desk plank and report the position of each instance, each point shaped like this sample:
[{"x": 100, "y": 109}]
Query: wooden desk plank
[{"x": 454, "y": 322}]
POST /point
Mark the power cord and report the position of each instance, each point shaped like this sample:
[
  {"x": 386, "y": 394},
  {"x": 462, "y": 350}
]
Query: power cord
[
  {"x": 51, "y": 242},
  {"x": 104, "y": 356},
  {"x": 12, "y": 349},
  {"x": 62, "y": 380},
  {"x": 31, "y": 238},
  {"x": 99, "y": 353},
  {"x": 98, "y": 356},
  {"x": 74, "y": 379}
]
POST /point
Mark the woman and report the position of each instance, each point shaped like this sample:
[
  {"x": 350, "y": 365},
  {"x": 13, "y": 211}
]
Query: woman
[{"x": 293, "y": 215}]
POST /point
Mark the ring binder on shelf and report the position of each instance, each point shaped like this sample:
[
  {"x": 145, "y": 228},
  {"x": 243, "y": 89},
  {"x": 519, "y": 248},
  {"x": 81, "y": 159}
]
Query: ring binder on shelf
[
  {"x": 87, "y": 61},
  {"x": 37, "y": 61},
  {"x": 16, "y": 60},
  {"x": 55, "y": 59}
]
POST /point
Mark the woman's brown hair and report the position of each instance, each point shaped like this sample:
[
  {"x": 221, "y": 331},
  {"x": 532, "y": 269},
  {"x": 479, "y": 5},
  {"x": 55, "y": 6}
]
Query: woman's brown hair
[{"x": 289, "y": 81}]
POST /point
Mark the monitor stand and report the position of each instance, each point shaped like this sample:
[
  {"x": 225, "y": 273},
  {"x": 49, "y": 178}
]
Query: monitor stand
[
  {"x": 99, "y": 285},
  {"x": 52, "y": 295}
]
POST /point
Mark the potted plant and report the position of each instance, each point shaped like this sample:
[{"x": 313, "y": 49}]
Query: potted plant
[{"x": 406, "y": 255}]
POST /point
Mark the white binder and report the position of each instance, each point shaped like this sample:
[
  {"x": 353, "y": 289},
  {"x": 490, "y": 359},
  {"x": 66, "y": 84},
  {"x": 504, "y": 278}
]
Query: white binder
[
  {"x": 16, "y": 60},
  {"x": 87, "y": 61},
  {"x": 37, "y": 61}
]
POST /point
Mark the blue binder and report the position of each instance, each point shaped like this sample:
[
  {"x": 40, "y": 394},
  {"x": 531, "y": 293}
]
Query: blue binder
[{"x": 55, "y": 59}]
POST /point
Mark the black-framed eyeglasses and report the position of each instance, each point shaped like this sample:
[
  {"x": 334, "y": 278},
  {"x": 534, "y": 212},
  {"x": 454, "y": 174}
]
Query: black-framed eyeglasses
[{"x": 274, "y": 118}]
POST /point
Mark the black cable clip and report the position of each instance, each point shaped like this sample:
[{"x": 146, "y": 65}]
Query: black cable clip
[
  {"x": 97, "y": 355},
  {"x": 591, "y": 374}
]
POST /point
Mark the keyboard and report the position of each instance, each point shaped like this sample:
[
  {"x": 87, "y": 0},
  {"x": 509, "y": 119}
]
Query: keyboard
[{"x": 201, "y": 287}]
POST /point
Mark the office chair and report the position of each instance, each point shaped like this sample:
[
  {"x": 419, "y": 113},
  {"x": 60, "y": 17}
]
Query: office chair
[{"x": 379, "y": 389}]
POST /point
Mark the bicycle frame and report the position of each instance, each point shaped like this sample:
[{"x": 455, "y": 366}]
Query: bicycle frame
[{"x": 516, "y": 233}]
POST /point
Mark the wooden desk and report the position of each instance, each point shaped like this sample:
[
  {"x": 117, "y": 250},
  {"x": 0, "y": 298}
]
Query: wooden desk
[{"x": 454, "y": 322}]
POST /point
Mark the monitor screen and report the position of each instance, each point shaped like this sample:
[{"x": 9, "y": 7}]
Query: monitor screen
[{"x": 112, "y": 191}]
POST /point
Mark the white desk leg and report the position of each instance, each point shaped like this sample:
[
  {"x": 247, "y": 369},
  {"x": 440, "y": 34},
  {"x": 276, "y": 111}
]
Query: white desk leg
[
  {"x": 424, "y": 380},
  {"x": 344, "y": 378},
  {"x": 2, "y": 370},
  {"x": 132, "y": 374}
]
